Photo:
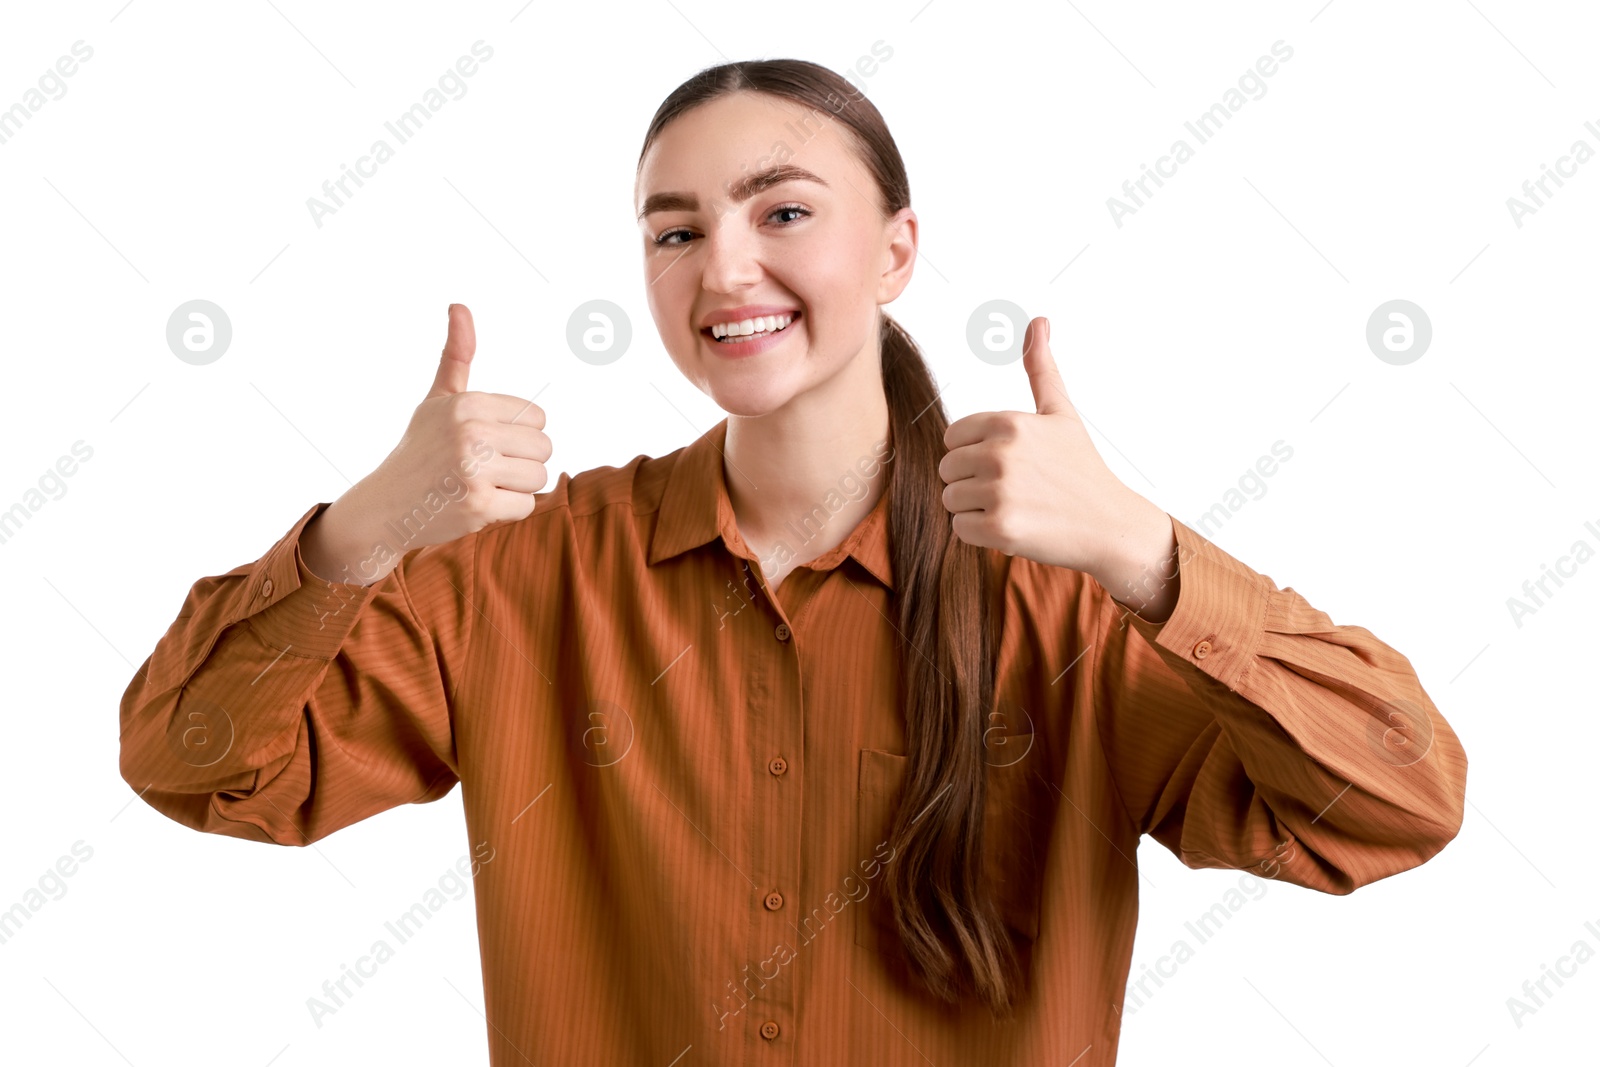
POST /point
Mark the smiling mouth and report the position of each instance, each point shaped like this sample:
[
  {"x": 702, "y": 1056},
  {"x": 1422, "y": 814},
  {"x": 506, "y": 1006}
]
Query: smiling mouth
[{"x": 761, "y": 326}]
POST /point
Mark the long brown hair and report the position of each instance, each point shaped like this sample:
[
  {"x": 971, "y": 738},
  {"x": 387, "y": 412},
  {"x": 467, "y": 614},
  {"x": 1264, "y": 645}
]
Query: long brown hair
[{"x": 943, "y": 908}]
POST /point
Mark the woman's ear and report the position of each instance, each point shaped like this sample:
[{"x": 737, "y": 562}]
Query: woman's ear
[{"x": 900, "y": 254}]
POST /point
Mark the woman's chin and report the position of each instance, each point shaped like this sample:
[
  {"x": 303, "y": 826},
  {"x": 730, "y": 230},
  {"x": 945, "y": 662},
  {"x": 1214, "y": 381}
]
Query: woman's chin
[
  {"x": 749, "y": 399},
  {"x": 748, "y": 406}
]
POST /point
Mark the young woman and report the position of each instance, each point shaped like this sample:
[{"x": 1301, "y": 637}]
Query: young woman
[{"x": 828, "y": 737}]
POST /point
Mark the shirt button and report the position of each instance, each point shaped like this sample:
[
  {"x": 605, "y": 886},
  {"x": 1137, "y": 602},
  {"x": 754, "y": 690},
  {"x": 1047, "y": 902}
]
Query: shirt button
[
  {"x": 769, "y": 1029},
  {"x": 782, "y": 634},
  {"x": 774, "y": 901},
  {"x": 777, "y": 765},
  {"x": 1202, "y": 649},
  {"x": 266, "y": 587}
]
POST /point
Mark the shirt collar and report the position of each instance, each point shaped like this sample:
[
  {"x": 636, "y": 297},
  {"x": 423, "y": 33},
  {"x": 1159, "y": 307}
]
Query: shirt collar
[{"x": 695, "y": 508}]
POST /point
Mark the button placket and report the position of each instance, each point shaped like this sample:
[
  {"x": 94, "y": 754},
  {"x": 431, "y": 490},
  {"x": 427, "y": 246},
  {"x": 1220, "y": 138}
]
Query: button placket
[{"x": 773, "y": 691}]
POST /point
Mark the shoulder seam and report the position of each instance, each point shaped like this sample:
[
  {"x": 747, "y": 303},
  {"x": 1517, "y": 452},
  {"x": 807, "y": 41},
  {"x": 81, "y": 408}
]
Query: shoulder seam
[
  {"x": 624, "y": 492},
  {"x": 472, "y": 631},
  {"x": 1097, "y": 711}
]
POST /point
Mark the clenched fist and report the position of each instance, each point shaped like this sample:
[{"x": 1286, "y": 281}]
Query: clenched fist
[
  {"x": 467, "y": 460},
  {"x": 1032, "y": 484}
]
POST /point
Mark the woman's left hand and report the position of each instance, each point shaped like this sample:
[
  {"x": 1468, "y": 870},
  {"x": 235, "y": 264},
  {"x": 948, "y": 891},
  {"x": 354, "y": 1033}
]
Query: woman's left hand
[{"x": 1033, "y": 484}]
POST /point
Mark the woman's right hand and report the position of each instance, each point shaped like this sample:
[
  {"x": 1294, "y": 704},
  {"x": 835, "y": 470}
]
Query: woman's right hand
[{"x": 480, "y": 455}]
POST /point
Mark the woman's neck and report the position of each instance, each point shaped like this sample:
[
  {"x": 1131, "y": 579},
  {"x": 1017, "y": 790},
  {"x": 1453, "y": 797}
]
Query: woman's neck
[{"x": 799, "y": 483}]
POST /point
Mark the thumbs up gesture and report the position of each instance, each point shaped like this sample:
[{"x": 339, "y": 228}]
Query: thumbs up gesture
[
  {"x": 1033, "y": 485},
  {"x": 467, "y": 460},
  {"x": 495, "y": 444}
]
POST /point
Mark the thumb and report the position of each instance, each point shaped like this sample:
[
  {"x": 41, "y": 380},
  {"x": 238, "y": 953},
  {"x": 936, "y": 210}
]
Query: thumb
[
  {"x": 460, "y": 342},
  {"x": 1049, "y": 391}
]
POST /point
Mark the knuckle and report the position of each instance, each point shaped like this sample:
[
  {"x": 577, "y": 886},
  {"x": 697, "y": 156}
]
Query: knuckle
[
  {"x": 469, "y": 405},
  {"x": 470, "y": 431}
]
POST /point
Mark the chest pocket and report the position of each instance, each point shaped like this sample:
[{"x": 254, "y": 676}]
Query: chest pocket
[{"x": 1014, "y": 830}]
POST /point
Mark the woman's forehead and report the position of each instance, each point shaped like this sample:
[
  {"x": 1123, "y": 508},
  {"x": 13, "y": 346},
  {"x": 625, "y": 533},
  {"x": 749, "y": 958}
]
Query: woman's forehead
[{"x": 716, "y": 144}]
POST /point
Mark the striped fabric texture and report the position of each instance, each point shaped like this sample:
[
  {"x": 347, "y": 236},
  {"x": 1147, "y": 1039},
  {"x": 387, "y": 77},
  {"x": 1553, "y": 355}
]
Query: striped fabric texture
[{"x": 684, "y": 784}]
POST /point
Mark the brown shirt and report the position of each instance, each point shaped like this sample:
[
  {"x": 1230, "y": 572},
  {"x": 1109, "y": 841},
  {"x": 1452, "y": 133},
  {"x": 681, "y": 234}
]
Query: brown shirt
[{"x": 678, "y": 789}]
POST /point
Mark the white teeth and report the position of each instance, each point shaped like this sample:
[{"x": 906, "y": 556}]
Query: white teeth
[{"x": 760, "y": 324}]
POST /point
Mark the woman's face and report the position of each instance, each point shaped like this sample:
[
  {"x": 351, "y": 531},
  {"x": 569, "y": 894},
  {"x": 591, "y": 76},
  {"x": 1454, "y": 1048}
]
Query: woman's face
[{"x": 820, "y": 250}]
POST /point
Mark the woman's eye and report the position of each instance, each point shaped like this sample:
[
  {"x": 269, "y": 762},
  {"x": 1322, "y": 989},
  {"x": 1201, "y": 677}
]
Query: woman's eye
[
  {"x": 664, "y": 239},
  {"x": 790, "y": 207}
]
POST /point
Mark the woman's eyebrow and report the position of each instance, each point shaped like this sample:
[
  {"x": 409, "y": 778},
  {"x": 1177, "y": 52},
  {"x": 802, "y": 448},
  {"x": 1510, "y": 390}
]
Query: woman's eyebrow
[{"x": 738, "y": 191}]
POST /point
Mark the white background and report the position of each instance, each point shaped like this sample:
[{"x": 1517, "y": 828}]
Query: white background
[{"x": 1228, "y": 313}]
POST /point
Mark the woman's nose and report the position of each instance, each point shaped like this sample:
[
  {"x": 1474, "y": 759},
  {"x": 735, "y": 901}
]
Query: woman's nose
[{"x": 730, "y": 260}]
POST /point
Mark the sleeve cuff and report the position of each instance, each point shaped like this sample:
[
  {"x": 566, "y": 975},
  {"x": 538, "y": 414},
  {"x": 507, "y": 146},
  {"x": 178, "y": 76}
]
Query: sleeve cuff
[
  {"x": 294, "y": 610},
  {"x": 1220, "y": 615}
]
